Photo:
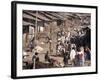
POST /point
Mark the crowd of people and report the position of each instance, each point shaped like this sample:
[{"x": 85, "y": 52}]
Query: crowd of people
[
  {"x": 80, "y": 56},
  {"x": 72, "y": 58},
  {"x": 74, "y": 49}
]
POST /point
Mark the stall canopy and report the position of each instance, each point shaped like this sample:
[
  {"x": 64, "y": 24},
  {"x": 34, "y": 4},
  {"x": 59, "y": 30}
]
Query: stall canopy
[{"x": 30, "y": 17}]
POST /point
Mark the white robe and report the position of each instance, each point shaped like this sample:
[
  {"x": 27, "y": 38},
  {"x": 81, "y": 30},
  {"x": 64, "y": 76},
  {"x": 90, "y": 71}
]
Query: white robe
[{"x": 72, "y": 54}]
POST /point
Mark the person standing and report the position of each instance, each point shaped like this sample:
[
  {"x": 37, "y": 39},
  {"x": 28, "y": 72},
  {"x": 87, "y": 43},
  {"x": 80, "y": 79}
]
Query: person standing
[
  {"x": 65, "y": 58},
  {"x": 81, "y": 56},
  {"x": 35, "y": 60},
  {"x": 87, "y": 56},
  {"x": 47, "y": 58},
  {"x": 72, "y": 56}
]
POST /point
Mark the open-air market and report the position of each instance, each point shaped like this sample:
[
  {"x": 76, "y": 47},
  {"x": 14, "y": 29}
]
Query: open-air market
[{"x": 56, "y": 39}]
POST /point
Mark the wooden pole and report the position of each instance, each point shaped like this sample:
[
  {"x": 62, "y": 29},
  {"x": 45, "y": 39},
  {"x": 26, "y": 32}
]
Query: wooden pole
[
  {"x": 26, "y": 40},
  {"x": 50, "y": 38},
  {"x": 36, "y": 29},
  {"x": 34, "y": 64},
  {"x": 35, "y": 33}
]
